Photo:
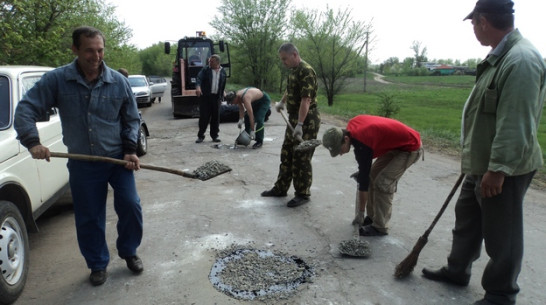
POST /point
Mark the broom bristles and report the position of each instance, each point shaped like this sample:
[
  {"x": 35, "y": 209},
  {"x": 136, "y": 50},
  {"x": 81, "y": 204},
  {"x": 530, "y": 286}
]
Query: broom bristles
[{"x": 405, "y": 267}]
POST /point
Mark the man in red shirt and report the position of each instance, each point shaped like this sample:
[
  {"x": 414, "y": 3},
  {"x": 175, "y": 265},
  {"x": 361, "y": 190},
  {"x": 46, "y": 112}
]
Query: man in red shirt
[{"x": 396, "y": 147}]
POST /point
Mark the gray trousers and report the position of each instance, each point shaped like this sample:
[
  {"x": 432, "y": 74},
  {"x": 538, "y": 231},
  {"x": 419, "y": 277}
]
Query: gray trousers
[
  {"x": 385, "y": 173},
  {"x": 498, "y": 222}
]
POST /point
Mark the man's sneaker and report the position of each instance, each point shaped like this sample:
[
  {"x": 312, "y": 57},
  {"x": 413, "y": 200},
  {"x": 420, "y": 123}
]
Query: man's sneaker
[
  {"x": 297, "y": 201},
  {"x": 134, "y": 263},
  {"x": 199, "y": 140},
  {"x": 370, "y": 230},
  {"x": 98, "y": 277},
  {"x": 257, "y": 145},
  {"x": 216, "y": 140},
  {"x": 274, "y": 192}
]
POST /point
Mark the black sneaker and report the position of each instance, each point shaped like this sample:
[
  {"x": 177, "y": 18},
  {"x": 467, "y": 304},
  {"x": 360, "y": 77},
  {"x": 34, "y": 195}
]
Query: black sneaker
[
  {"x": 297, "y": 201},
  {"x": 216, "y": 140},
  {"x": 367, "y": 221},
  {"x": 274, "y": 192},
  {"x": 370, "y": 230},
  {"x": 257, "y": 145},
  {"x": 98, "y": 277},
  {"x": 134, "y": 263},
  {"x": 199, "y": 140}
]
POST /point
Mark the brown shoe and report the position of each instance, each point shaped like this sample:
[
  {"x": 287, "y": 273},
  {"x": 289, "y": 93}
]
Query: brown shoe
[{"x": 442, "y": 275}]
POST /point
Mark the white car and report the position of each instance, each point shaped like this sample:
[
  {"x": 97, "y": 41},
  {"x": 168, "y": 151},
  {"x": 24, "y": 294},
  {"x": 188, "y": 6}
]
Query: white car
[
  {"x": 141, "y": 89},
  {"x": 27, "y": 186},
  {"x": 158, "y": 86}
]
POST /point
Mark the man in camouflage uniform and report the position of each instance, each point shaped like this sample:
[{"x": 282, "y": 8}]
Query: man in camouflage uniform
[{"x": 300, "y": 101}]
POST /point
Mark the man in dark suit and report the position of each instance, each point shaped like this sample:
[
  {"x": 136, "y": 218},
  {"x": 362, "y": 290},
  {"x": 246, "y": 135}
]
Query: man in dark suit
[{"x": 211, "y": 82}]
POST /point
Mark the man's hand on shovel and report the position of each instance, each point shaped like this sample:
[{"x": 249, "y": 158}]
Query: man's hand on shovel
[{"x": 298, "y": 132}]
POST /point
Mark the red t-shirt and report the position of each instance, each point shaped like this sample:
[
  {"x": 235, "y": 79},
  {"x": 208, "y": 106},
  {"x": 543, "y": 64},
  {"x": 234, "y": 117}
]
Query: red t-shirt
[
  {"x": 383, "y": 134},
  {"x": 374, "y": 136}
]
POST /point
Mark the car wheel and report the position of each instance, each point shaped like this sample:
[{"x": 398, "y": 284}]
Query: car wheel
[
  {"x": 142, "y": 147},
  {"x": 14, "y": 255}
]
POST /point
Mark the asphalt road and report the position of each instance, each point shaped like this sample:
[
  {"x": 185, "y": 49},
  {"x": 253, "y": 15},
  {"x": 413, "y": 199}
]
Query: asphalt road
[{"x": 187, "y": 221}]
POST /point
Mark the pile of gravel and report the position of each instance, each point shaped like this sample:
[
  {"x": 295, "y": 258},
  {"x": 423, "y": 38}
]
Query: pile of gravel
[
  {"x": 210, "y": 169},
  {"x": 253, "y": 274},
  {"x": 355, "y": 247}
]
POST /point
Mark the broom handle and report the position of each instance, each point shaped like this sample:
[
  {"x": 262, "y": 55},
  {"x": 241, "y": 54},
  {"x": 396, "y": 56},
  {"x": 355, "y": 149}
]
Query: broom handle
[
  {"x": 444, "y": 206},
  {"x": 120, "y": 162}
]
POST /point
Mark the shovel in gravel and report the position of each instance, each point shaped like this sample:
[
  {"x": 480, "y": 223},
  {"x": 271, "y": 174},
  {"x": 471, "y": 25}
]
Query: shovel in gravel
[
  {"x": 209, "y": 170},
  {"x": 304, "y": 145},
  {"x": 355, "y": 247}
]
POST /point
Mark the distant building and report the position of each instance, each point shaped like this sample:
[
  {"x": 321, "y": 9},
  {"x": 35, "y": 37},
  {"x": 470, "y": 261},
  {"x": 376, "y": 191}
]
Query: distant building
[{"x": 443, "y": 70}]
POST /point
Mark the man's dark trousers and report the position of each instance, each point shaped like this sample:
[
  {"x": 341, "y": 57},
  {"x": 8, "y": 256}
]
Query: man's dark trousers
[{"x": 209, "y": 111}]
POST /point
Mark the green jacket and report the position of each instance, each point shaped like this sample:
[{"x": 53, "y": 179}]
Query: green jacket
[{"x": 502, "y": 114}]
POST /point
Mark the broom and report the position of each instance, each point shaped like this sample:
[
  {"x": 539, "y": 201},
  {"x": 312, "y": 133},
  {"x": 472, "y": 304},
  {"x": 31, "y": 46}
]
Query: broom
[{"x": 406, "y": 266}]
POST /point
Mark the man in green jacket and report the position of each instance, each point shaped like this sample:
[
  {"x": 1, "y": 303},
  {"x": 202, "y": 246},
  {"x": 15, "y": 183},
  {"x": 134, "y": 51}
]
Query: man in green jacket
[{"x": 500, "y": 155}]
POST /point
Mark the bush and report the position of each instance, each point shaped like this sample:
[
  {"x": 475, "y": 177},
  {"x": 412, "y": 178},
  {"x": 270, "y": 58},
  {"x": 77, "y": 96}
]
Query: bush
[{"x": 388, "y": 107}]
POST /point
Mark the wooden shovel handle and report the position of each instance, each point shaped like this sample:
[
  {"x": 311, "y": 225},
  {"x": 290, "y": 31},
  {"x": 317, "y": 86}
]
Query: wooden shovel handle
[
  {"x": 120, "y": 162},
  {"x": 289, "y": 125}
]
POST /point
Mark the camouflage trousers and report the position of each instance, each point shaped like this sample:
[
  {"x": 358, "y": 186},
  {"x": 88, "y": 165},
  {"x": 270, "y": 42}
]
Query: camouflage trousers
[{"x": 296, "y": 165}]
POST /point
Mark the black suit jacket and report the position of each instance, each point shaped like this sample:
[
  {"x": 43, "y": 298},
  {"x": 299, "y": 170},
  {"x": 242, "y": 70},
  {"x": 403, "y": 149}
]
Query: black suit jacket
[{"x": 204, "y": 80}]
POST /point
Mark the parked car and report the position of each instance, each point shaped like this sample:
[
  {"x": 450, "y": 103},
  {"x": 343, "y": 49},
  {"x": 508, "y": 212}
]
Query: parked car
[
  {"x": 141, "y": 89},
  {"x": 158, "y": 86},
  {"x": 27, "y": 186},
  {"x": 143, "y": 133}
]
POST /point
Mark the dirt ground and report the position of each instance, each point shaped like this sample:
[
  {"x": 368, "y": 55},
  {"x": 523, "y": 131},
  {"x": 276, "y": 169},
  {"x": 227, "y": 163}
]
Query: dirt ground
[{"x": 187, "y": 221}]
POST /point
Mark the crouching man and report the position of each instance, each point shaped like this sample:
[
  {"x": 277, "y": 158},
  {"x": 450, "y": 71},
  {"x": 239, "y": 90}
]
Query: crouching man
[{"x": 396, "y": 147}]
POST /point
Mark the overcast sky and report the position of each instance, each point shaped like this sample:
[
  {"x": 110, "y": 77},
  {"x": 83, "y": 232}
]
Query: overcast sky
[{"x": 437, "y": 24}]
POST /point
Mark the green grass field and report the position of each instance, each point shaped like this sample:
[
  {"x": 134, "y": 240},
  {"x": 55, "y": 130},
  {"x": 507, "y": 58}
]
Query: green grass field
[{"x": 430, "y": 104}]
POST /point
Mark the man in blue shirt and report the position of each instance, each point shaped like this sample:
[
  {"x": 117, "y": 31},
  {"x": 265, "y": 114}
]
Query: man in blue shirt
[{"x": 99, "y": 116}]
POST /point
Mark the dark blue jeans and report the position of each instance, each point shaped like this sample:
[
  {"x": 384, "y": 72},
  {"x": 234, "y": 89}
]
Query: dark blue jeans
[{"x": 89, "y": 186}]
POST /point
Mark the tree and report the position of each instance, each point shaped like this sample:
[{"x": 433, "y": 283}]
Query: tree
[
  {"x": 255, "y": 29},
  {"x": 154, "y": 61},
  {"x": 39, "y": 31},
  {"x": 332, "y": 43},
  {"x": 420, "y": 53}
]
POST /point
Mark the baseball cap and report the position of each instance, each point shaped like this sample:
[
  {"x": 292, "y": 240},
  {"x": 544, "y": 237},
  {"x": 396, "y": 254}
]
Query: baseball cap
[
  {"x": 332, "y": 140},
  {"x": 492, "y": 7}
]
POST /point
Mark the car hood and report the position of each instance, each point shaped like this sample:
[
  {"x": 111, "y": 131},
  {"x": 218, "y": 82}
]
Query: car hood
[{"x": 139, "y": 89}]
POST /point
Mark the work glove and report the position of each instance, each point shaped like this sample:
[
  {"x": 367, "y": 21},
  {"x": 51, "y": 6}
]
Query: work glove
[
  {"x": 279, "y": 106},
  {"x": 298, "y": 131},
  {"x": 240, "y": 123},
  {"x": 359, "y": 218},
  {"x": 252, "y": 134}
]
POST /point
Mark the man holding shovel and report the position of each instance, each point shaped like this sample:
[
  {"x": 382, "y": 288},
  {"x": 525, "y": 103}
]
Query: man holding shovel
[
  {"x": 99, "y": 116},
  {"x": 500, "y": 155},
  {"x": 396, "y": 147},
  {"x": 300, "y": 101},
  {"x": 253, "y": 106}
]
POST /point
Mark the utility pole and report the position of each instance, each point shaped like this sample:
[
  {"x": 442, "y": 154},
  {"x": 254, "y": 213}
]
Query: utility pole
[{"x": 366, "y": 62}]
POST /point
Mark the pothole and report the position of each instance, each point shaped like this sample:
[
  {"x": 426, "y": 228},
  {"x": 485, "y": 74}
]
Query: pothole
[{"x": 253, "y": 274}]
